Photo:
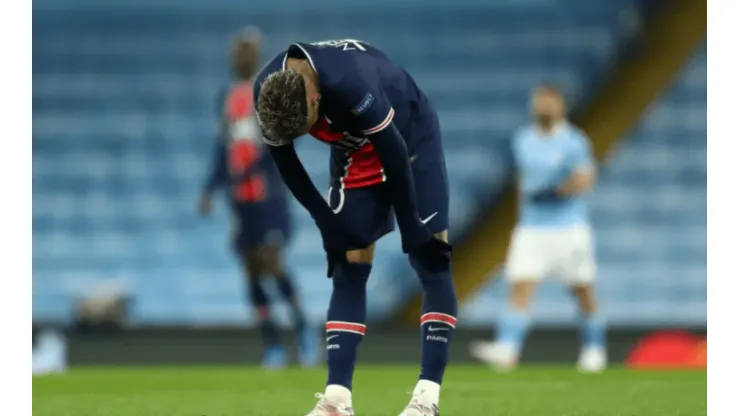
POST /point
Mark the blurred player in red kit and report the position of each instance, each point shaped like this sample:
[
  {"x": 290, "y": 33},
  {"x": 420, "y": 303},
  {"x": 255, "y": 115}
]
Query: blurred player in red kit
[{"x": 261, "y": 224}]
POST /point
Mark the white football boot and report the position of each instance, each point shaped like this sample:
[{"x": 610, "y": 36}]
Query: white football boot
[
  {"x": 329, "y": 407},
  {"x": 592, "y": 360},
  {"x": 420, "y": 407},
  {"x": 424, "y": 400},
  {"x": 502, "y": 356}
]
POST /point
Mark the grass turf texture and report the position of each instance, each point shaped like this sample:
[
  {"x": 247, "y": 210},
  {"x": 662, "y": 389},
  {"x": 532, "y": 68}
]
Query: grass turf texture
[{"x": 379, "y": 391}]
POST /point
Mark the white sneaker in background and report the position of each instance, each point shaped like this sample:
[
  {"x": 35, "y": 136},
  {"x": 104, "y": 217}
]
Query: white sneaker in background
[
  {"x": 502, "y": 356},
  {"x": 592, "y": 360},
  {"x": 50, "y": 354}
]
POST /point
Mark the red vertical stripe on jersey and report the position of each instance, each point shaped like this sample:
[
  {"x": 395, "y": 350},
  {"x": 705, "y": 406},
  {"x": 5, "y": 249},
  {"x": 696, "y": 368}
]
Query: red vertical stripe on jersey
[
  {"x": 322, "y": 131},
  {"x": 239, "y": 103},
  {"x": 243, "y": 151},
  {"x": 441, "y": 318},
  {"x": 242, "y": 154},
  {"x": 363, "y": 167}
]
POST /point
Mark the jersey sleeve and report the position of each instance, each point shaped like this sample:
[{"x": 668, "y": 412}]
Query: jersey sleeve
[
  {"x": 513, "y": 147},
  {"x": 581, "y": 155},
  {"x": 218, "y": 173},
  {"x": 365, "y": 99}
]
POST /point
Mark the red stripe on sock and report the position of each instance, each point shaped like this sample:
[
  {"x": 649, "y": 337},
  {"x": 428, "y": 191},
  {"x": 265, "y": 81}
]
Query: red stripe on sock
[
  {"x": 338, "y": 326},
  {"x": 441, "y": 318}
]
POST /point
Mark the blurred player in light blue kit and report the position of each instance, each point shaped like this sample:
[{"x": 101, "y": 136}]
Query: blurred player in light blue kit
[{"x": 553, "y": 237}]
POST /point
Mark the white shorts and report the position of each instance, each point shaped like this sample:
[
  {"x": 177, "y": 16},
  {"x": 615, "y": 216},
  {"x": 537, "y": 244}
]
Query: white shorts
[{"x": 565, "y": 253}]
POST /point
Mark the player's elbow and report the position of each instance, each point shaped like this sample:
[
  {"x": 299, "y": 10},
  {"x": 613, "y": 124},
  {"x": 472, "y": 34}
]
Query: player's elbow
[{"x": 583, "y": 180}]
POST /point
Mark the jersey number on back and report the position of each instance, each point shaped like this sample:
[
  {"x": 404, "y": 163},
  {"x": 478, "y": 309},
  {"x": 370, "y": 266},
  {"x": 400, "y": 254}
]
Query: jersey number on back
[{"x": 345, "y": 44}]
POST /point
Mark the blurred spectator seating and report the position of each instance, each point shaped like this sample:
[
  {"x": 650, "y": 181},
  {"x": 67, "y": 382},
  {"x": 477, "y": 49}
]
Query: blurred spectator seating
[{"x": 124, "y": 118}]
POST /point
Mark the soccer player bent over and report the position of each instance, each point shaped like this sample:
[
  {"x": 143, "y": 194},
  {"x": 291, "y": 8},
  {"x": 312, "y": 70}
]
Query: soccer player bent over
[
  {"x": 261, "y": 220},
  {"x": 386, "y": 157},
  {"x": 553, "y": 236}
]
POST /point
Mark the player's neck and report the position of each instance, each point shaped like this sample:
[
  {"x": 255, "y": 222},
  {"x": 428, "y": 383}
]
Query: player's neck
[
  {"x": 304, "y": 68},
  {"x": 549, "y": 129},
  {"x": 242, "y": 80}
]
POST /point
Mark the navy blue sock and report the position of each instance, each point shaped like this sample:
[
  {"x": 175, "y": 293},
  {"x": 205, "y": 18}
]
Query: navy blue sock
[
  {"x": 287, "y": 290},
  {"x": 438, "y": 321},
  {"x": 258, "y": 298},
  {"x": 345, "y": 326}
]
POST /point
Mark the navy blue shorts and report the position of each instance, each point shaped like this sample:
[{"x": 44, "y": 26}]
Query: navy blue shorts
[
  {"x": 368, "y": 211},
  {"x": 260, "y": 224}
]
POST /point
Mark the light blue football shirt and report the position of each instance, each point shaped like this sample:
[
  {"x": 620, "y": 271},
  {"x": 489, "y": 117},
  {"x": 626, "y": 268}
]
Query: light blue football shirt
[{"x": 544, "y": 161}]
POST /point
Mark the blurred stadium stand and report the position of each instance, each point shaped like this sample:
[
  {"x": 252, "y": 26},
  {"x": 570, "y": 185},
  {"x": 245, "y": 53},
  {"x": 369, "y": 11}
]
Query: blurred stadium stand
[
  {"x": 123, "y": 101},
  {"x": 649, "y": 212}
]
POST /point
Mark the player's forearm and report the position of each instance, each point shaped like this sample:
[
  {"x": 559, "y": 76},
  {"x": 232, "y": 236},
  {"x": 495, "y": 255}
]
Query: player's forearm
[
  {"x": 299, "y": 183},
  {"x": 577, "y": 183},
  {"x": 219, "y": 172},
  {"x": 393, "y": 155}
]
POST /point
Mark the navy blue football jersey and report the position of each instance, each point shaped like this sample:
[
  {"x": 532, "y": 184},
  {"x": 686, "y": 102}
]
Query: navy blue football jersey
[{"x": 362, "y": 93}]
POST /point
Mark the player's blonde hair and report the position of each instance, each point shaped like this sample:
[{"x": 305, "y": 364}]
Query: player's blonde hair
[{"x": 282, "y": 105}]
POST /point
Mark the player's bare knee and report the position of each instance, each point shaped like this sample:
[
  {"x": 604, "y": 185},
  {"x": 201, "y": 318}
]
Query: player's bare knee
[
  {"x": 253, "y": 265},
  {"x": 271, "y": 260},
  {"x": 586, "y": 298},
  {"x": 254, "y": 270},
  {"x": 521, "y": 294},
  {"x": 364, "y": 255},
  {"x": 442, "y": 235}
]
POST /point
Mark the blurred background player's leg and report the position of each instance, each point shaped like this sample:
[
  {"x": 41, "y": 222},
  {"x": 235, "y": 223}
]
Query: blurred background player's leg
[
  {"x": 261, "y": 240},
  {"x": 581, "y": 273},
  {"x": 526, "y": 264},
  {"x": 271, "y": 256},
  {"x": 247, "y": 244}
]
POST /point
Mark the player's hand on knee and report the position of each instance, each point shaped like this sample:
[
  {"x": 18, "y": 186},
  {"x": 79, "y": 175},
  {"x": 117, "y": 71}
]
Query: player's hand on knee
[
  {"x": 335, "y": 257},
  {"x": 434, "y": 254},
  {"x": 333, "y": 260},
  {"x": 335, "y": 246},
  {"x": 336, "y": 243}
]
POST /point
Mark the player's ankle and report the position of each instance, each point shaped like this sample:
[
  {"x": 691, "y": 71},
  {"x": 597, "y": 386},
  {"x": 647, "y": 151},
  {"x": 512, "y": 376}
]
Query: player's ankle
[
  {"x": 339, "y": 394},
  {"x": 428, "y": 391}
]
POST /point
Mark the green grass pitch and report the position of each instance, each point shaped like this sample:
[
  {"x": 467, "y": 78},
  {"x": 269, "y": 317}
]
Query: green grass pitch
[{"x": 378, "y": 391}]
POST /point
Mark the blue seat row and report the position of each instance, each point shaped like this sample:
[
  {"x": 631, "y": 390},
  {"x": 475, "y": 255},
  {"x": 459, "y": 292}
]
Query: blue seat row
[{"x": 124, "y": 120}]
